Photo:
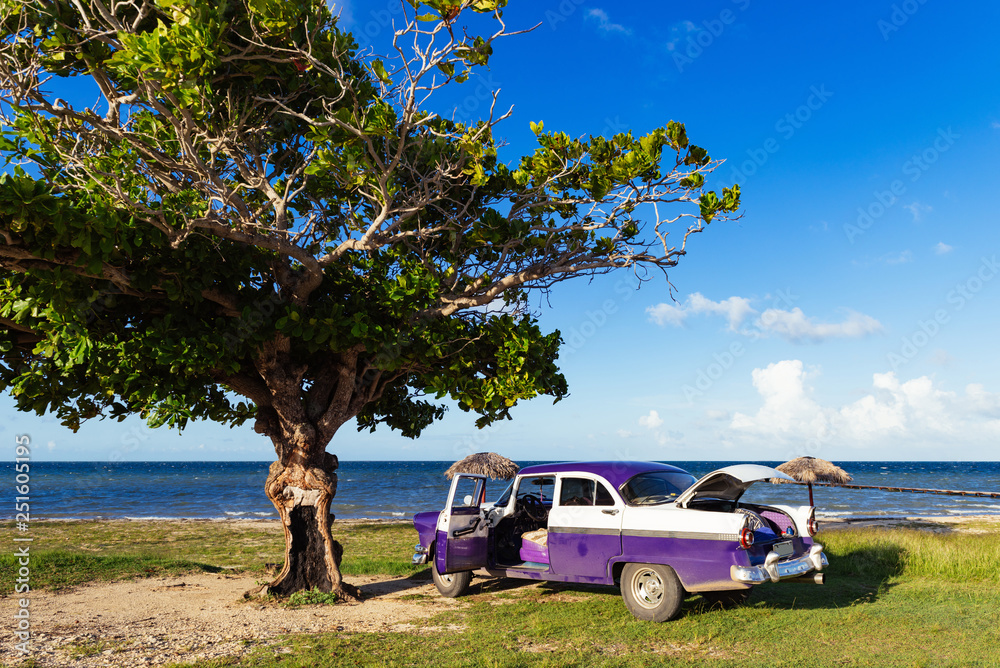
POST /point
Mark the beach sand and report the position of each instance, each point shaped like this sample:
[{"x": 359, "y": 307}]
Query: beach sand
[
  {"x": 159, "y": 620},
  {"x": 200, "y": 616}
]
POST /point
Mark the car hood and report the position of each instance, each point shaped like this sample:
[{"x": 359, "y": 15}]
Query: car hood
[{"x": 729, "y": 483}]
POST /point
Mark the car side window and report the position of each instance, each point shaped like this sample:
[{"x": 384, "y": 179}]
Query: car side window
[
  {"x": 540, "y": 487},
  {"x": 576, "y": 492},
  {"x": 469, "y": 493},
  {"x": 604, "y": 497},
  {"x": 584, "y": 492}
]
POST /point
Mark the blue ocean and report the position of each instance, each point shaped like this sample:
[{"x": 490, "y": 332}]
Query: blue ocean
[{"x": 395, "y": 490}]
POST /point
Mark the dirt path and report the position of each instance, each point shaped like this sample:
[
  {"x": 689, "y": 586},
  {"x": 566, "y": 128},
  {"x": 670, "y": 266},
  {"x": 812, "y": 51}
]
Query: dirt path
[{"x": 199, "y": 616}]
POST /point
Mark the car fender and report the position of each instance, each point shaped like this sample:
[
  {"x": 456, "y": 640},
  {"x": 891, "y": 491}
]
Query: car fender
[{"x": 700, "y": 545}]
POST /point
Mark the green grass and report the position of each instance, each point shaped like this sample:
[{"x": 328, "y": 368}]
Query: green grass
[
  {"x": 65, "y": 554},
  {"x": 954, "y": 557},
  {"x": 57, "y": 569},
  {"x": 896, "y": 597}
]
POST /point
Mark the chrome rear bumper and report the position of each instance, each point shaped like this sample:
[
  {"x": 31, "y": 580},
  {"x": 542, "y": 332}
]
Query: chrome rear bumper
[{"x": 776, "y": 570}]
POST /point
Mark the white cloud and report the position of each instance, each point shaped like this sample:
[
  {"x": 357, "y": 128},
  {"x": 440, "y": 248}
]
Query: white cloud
[
  {"x": 667, "y": 314},
  {"x": 901, "y": 257},
  {"x": 795, "y": 326},
  {"x": 917, "y": 210},
  {"x": 983, "y": 402},
  {"x": 651, "y": 421},
  {"x": 604, "y": 23},
  {"x": 735, "y": 309},
  {"x": 913, "y": 413},
  {"x": 625, "y": 433},
  {"x": 792, "y": 325},
  {"x": 942, "y": 248},
  {"x": 787, "y": 407}
]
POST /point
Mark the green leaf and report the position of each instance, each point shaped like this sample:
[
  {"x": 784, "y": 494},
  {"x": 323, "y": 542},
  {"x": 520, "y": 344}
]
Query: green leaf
[{"x": 379, "y": 70}]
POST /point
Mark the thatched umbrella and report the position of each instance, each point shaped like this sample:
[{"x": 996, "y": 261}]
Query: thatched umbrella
[
  {"x": 485, "y": 463},
  {"x": 810, "y": 470}
]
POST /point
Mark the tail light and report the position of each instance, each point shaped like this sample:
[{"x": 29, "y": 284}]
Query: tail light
[
  {"x": 746, "y": 537},
  {"x": 812, "y": 525}
]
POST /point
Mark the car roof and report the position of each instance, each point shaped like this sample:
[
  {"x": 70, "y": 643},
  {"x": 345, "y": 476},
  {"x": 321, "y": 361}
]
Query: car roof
[{"x": 615, "y": 472}]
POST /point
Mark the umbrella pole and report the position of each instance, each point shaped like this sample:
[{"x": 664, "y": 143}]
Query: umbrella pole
[{"x": 811, "y": 495}]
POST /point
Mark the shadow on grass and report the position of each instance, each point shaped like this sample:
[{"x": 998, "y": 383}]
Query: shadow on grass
[
  {"x": 852, "y": 523},
  {"x": 858, "y": 575},
  {"x": 58, "y": 569}
]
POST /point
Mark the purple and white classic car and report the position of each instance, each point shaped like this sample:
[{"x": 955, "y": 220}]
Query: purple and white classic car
[{"x": 650, "y": 528}]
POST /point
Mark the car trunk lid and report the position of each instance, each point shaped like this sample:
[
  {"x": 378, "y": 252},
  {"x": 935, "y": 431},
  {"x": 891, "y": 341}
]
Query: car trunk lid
[{"x": 728, "y": 483}]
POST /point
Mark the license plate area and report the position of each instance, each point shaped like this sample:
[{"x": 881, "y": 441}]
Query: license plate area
[{"x": 784, "y": 548}]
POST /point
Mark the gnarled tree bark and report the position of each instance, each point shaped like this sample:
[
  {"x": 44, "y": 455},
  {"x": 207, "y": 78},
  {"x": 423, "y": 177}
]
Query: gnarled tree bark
[
  {"x": 301, "y": 493},
  {"x": 302, "y": 483}
]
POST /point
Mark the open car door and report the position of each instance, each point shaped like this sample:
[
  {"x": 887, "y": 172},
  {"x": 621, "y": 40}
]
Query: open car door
[{"x": 462, "y": 530}]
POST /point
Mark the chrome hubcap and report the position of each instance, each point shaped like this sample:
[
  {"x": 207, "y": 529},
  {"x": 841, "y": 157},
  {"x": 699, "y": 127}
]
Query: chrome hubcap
[{"x": 647, "y": 588}]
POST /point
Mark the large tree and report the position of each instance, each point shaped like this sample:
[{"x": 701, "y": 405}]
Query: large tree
[{"x": 255, "y": 220}]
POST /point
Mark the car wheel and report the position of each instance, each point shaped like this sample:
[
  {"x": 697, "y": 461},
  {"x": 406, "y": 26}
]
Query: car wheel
[
  {"x": 727, "y": 599},
  {"x": 652, "y": 592},
  {"x": 451, "y": 585}
]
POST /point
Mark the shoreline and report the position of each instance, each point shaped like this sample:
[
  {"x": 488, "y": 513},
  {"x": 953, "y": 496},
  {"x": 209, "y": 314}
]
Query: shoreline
[
  {"x": 827, "y": 522},
  {"x": 259, "y": 522}
]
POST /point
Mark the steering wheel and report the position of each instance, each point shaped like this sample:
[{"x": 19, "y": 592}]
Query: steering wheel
[{"x": 533, "y": 507}]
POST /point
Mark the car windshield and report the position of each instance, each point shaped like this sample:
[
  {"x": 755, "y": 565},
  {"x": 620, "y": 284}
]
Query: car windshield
[
  {"x": 505, "y": 497},
  {"x": 656, "y": 487}
]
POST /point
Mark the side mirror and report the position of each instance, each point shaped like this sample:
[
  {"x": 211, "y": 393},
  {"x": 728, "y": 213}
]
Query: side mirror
[{"x": 467, "y": 500}]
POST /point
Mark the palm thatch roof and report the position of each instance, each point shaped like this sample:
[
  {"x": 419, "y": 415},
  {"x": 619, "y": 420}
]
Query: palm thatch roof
[
  {"x": 484, "y": 463},
  {"x": 812, "y": 469}
]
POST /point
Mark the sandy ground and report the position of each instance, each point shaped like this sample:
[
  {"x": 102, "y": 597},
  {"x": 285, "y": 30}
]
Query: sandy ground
[
  {"x": 163, "y": 620},
  {"x": 198, "y": 616}
]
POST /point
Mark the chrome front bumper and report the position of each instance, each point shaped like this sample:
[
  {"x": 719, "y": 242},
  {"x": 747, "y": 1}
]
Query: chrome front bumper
[
  {"x": 775, "y": 570},
  {"x": 419, "y": 555}
]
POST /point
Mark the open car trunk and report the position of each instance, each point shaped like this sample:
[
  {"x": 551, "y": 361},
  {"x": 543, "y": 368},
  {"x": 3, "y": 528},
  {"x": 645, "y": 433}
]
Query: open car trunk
[
  {"x": 721, "y": 490},
  {"x": 727, "y": 484}
]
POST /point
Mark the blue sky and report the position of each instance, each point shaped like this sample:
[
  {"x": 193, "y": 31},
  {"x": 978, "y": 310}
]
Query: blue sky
[{"x": 851, "y": 313}]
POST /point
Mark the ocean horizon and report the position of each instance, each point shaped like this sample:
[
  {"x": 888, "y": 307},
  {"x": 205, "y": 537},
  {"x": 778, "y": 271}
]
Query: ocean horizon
[{"x": 398, "y": 489}]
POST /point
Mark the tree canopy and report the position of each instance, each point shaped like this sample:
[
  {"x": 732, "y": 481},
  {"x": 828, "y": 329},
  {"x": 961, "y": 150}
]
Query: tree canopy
[{"x": 254, "y": 219}]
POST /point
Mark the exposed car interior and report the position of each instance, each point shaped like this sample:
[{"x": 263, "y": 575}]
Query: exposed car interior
[{"x": 533, "y": 499}]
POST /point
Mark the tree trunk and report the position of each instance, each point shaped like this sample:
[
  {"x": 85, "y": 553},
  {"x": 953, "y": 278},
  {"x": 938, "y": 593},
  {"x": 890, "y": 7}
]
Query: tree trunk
[{"x": 301, "y": 492}]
